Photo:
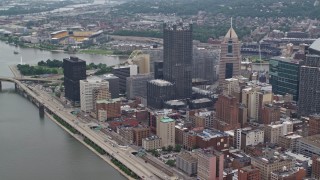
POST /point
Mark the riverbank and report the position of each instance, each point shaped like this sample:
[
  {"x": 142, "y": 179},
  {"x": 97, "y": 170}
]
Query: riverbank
[{"x": 79, "y": 138}]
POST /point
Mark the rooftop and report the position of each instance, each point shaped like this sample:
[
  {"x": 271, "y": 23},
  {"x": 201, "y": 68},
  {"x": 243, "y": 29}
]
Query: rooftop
[
  {"x": 187, "y": 157},
  {"x": 312, "y": 140},
  {"x": 208, "y": 134},
  {"x": 315, "y": 45},
  {"x": 161, "y": 82},
  {"x": 166, "y": 120},
  {"x": 231, "y": 34},
  {"x": 107, "y": 101},
  {"x": 288, "y": 60}
]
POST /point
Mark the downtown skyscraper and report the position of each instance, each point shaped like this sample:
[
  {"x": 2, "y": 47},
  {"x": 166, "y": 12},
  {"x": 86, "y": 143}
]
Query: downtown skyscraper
[
  {"x": 230, "y": 57},
  {"x": 177, "y": 62}
]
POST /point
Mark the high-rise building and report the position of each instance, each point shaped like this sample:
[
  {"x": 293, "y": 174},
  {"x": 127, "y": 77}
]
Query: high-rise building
[
  {"x": 309, "y": 87},
  {"x": 230, "y": 57},
  {"x": 210, "y": 164},
  {"x": 143, "y": 63},
  {"x": 74, "y": 70},
  {"x": 315, "y": 173},
  {"x": 284, "y": 76},
  {"x": 204, "y": 62},
  {"x": 158, "y": 70},
  {"x": 227, "y": 113},
  {"x": 113, "y": 85},
  {"x": 177, "y": 60},
  {"x": 255, "y": 96},
  {"x": 158, "y": 92},
  {"x": 87, "y": 89},
  {"x": 137, "y": 85},
  {"x": 249, "y": 173},
  {"x": 122, "y": 72},
  {"x": 269, "y": 114},
  {"x": 314, "y": 124},
  {"x": 166, "y": 131}
]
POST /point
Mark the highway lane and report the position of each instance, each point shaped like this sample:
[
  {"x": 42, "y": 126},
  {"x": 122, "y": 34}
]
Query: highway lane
[{"x": 134, "y": 164}]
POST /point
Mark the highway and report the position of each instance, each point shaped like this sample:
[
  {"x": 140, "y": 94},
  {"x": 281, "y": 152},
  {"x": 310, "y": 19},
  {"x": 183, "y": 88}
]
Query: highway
[
  {"x": 124, "y": 155},
  {"x": 134, "y": 163}
]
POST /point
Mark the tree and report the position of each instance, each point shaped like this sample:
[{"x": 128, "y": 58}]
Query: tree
[
  {"x": 170, "y": 148},
  {"x": 164, "y": 148},
  {"x": 177, "y": 148},
  {"x": 171, "y": 162}
]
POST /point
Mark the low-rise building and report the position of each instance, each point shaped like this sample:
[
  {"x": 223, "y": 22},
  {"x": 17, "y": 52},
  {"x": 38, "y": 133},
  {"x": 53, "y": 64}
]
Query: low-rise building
[
  {"x": 140, "y": 133},
  {"x": 289, "y": 141},
  {"x": 288, "y": 174},
  {"x": 248, "y": 136},
  {"x": 309, "y": 146},
  {"x": 152, "y": 142},
  {"x": 213, "y": 138},
  {"x": 108, "y": 109},
  {"x": 187, "y": 162},
  {"x": 273, "y": 132},
  {"x": 249, "y": 173},
  {"x": 271, "y": 162}
]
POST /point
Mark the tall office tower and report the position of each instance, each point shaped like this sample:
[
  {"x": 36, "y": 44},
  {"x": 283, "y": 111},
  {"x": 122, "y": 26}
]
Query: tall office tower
[
  {"x": 122, "y": 72},
  {"x": 284, "y": 76},
  {"x": 309, "y": 87},
  {"x": 177, "y": 60},
  {"x": 204, "y": 62},
  {"x": 74, "y": 70},
  {"x": 158, "y": 70},
  {"x": 210, "y": 164},
  {"x": 158, "y": 92},
  {"x": 87, "y": 88},
  {"x": 137, "y": 85},
  {"x": 113, "y": 84},
  {"x": 230, "y": 56}
]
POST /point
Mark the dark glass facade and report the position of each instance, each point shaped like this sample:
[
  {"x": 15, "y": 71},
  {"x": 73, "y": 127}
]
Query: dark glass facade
[
  {"x": 177, "y": 63},
  {"x": 284, "y": 76},
  {"x": 309, "y": 87},
  {"x": 158, "y": 70},
  {"x": 158, "y": 92},
  {"x": 74, "y": 70}
]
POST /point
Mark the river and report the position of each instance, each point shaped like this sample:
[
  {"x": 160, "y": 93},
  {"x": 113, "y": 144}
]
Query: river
[{"x": 32, "y": 148}]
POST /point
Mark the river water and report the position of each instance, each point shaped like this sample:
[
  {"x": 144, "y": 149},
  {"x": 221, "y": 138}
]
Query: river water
[{"x": 32, "y": 148}]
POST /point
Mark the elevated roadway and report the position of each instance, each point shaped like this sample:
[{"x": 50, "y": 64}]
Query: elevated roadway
[{"x": 42, "y": 99}]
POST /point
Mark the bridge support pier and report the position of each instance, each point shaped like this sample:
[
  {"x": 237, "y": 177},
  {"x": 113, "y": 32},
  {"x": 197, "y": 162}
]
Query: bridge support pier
[
  {"x": 41, "y": 110},
  {"x": 15, "y": 87},
  {"x": 0, "y": 86}
]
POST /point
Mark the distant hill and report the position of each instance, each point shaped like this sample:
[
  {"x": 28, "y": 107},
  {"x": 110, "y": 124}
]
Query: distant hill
[{"x": 242, "y": 8}]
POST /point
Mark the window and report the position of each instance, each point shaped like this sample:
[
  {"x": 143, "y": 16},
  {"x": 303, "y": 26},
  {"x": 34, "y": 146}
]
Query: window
[{"x": 230, "y": 47}]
